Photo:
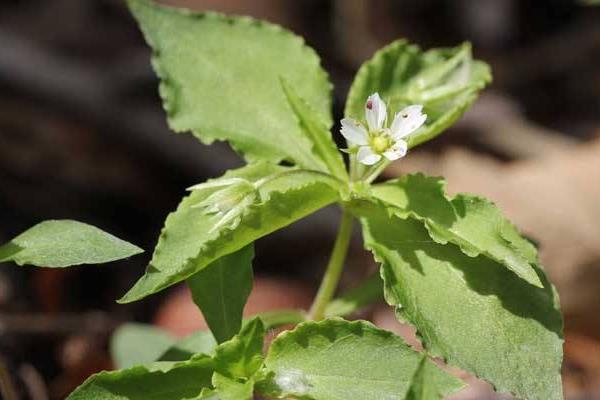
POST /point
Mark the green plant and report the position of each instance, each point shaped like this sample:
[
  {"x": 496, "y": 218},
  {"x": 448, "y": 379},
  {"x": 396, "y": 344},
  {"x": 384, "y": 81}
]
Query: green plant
[{"x": 451, "y": 266}]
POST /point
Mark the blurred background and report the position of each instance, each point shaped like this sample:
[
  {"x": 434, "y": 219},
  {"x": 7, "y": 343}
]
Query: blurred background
[{"x": 83, "y": 136}]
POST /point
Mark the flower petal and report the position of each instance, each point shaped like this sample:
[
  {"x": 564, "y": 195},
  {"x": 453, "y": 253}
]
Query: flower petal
[
  {"x": 367, "y": 156},
  {"x": 375, "y": 112},
  {"x": 354, "y": 132},
  {"x": 397, "y": 151},
  {"x": 216, "y": 183},
  {"x": 407, "y": 121}
]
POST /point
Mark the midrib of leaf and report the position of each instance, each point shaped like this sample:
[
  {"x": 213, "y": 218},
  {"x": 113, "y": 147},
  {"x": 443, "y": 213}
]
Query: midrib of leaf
[{"x": 224, "y": 317}]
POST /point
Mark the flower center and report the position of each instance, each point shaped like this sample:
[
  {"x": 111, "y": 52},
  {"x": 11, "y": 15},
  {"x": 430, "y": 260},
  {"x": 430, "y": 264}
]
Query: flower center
[{"x": 380, "y": 141}]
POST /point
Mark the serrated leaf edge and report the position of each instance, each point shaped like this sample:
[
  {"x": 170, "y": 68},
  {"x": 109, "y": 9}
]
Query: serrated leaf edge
[
  {"x": 207, "y": 135},
  {"x": 183, "y": 272},
  {"x": 429, "y": 226},
  {"x": 401, "y": 316}
]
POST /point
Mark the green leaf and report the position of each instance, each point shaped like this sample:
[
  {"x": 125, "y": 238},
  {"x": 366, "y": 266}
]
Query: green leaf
[
  {"x": 232, "y": 389},
  {"x": 209, "y": 394},
  {"x": 444, "y": 81},
  {"x": 220, "y": 79},
  {"x": 281, "y": 317},
  {"x": 188, "y": 244},
  {"x": 137, "y": 344},
  {"x": 63, "y": 243},
  {"x": 471, "y": 311},
  {"x": 316, "y": 130},
  {"x": 160, "y": 381},
  {"x": 341, "y": 360},
  {"x": 471, "y": 222},
  {"x": 428, "y": 384},
  {"x": 201, "y": 342},
  {"x": 241, "y": 356},
  {"x": 368, "y": 292},
  {"x": 204, "y": 342},
  {"x": 221, "y": 289}
]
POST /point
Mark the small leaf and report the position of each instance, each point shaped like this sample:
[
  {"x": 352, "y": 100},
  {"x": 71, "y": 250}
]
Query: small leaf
[
  {"x": 444, "y": 81},
  {"x": 204, "y": 342},
  {"x": 241, "y": 356},
  {"x": 138, "y": 344},
  {"x": 221, "y": 290},
  {"x": 231, "y": 389},
  {"x": 64, "y": 243},
  {"x": 188, "y": 242},
  {"x": 201, "y": 342},
  {"x": 471, "y": 311},
  {"x": 367, "y": 292},
  {"x": 220, "y": 79},
  {"x": 341, "y": 360},
  {"x": 160, "y": 381},
  {"x": 470, "y": 222}
]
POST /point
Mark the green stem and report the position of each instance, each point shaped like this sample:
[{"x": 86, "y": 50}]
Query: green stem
[
  {"x": 334, "y": 268},
  {"x": 371, "y": 175},
  {"x": 353, "y": 167}
]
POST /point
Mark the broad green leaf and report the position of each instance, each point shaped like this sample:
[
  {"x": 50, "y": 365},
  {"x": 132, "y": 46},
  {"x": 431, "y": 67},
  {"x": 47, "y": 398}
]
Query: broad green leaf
[
  {"x": 473, "y": 312},
  {"x": 341, "y": 360},
  {"x": 444, "y": 81},
  {"x": 220, "y": 79},
  {"x": 63, "y": 243},
  {"x": 188, "y": 244},
  {"x": 201, "y": 342},
  {"x": 242, "y": 356},
  {"x": 231, "y": 389},
  {"x": 368, "y": 292},
  {"x": 471, "y": 222},
  {"x": 316, "y": 130},
  {"x": 160, "y": 381},
  {"x": 137, "y": 344},
  {"x": 220, "y": 291}
]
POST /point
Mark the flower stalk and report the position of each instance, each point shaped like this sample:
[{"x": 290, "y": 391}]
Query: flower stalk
[{"x": 334, "y": 268}]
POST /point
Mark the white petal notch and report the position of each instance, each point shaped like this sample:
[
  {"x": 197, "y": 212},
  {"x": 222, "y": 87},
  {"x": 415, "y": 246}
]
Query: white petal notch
[
  {"x": 367, "y": 156},
  {"x": 398, "y": 150},
  {"x": 407, "y": 121},
  {"x": 375, "y": 112},
  {"x": 354, "y": 132},
  {"x": 375, "y": 141}
]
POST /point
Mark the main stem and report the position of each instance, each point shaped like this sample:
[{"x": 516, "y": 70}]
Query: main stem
[{"x": 334, "y": 268}]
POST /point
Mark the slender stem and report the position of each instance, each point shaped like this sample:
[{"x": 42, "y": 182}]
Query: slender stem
[
  {"x": 372, "y": 174},
  {"x": 353, "y": 169},
  {"x": 334, "y": 268}
]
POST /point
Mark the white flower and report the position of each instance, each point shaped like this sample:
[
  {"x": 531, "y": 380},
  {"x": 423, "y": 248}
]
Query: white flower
[
  {"x": 229, "y": 202},
  {"x": 377, "y": 140}
]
